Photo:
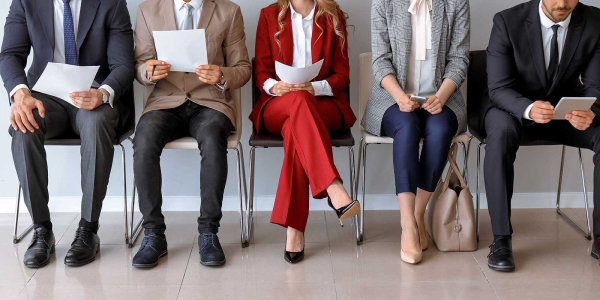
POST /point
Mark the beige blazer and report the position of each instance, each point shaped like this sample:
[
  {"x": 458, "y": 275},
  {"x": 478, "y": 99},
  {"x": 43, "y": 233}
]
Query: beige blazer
[{"x": 226, "y": 45}]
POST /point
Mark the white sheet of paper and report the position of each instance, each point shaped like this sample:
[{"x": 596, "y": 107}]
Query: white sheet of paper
[
  {"x": 184, "y": 50},
  {"x": 59, "y": 80},
  {"x": 293, "y": 75}
]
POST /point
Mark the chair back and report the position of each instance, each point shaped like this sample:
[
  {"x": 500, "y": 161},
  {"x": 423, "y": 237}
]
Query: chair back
[
  {"x": 366, "y": 81},
  {"x": 476, "y": 88}
]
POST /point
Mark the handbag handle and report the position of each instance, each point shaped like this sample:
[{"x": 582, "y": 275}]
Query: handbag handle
[{"x": 454, "y": 167}]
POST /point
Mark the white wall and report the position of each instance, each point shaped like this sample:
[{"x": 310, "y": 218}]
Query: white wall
[{"x": 536, "y": 168}]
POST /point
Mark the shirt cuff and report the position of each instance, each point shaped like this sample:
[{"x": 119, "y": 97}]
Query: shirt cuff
[
  {"x": 268, "y": 85},
  {"x": 111, "y": 98},
  {"x": 322, "y": 88},
  {"x": 526, "y": 113},
  {"x": 14, "y": 91}
]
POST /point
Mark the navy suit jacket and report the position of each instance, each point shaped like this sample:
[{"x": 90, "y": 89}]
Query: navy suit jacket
[
  {"x": 516, "y": 67},
  {"x": 104, "y": 38}
]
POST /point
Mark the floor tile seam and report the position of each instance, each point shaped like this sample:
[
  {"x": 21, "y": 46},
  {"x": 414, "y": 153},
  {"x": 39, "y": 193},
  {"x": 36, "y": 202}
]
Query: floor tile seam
[
  {"x": 330, "y": 256},
  {"x": 185, "y": 271},
  {"x": 485, "y": 276},
  {"x": 19, "y": 294},
  {"x": 67, "y": 230}
]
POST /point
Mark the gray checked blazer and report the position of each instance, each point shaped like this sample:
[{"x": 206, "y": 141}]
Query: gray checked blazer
[{"x": 391, "y": 37}]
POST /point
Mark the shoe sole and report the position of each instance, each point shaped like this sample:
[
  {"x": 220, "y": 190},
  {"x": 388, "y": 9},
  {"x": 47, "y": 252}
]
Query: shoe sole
[
  {"x": 212, "y": 263},
  {"x": 501, "y": 269},
  {"x": 353, "y": 211},
  {"x": 595, "y": 255},
  {"x": 148, "y": 266},
  {"x": 85, "y": 262},
  {"x": 44, "y": 263}
]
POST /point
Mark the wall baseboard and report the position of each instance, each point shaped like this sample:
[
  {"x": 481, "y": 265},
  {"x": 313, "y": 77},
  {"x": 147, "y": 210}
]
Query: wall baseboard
[{"x": 265, "y": 203}]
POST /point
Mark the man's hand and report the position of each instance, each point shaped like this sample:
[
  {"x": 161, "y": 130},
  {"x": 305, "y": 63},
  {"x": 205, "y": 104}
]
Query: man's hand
[
  {"x": 281, "y": 88},
  {"x": 581, "y": 119},
  {"x": 542, "y": 112},
  {"x": 87, "y": 100},
  {"x": 434, "y": 105},
  {"x": 21, "y": 112},
  {"x": 407, "y": 105},
  {"x": 209, "y": 74},
  {"x": 160, "y": 72},
  {"x": 304, "y": 87}
]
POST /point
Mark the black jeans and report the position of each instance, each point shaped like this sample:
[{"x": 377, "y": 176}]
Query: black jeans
[
  {"x": 504, "y": 136},
  {"x": 155, "y": 129}
]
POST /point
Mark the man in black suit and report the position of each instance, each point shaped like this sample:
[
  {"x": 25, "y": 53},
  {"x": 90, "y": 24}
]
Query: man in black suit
[
  {"x": 539, "y": 51},
  {"x": 75, "y": 32}
]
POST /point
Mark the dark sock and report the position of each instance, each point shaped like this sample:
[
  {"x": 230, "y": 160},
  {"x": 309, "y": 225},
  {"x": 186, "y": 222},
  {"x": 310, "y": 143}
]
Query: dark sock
[
  {"x": 91, "y": 225},
  {"x": 159, "y": 232},
  {"x": 46, "y": 224}
]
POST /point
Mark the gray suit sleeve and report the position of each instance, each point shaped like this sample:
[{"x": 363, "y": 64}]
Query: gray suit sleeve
[
  {"x": 120, "y": 51},
  {"x": 457, "y": 58},
  {"x": 16, "y": 47},
  {"x": 380, "y": 42}
]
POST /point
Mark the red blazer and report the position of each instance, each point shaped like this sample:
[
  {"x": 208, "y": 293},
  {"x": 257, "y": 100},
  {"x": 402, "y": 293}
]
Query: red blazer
[{"x": 328, "y": 46}]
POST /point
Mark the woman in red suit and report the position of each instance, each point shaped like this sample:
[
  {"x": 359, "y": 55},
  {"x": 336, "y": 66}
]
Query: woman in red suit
[{"x": 299, "y": 33}]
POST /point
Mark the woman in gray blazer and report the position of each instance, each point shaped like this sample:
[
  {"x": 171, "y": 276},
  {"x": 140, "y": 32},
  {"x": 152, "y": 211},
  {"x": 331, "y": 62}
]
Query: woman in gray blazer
[{"x": 420, "y": 48}]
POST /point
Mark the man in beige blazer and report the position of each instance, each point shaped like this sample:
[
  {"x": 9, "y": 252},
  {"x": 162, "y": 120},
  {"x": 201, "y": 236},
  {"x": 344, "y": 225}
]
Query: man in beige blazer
[{"x": 187, "y": 104}]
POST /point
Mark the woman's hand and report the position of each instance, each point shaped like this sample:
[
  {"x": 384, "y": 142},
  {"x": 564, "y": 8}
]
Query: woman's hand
[
  {"x": 304, "y": 87},
  {"x": 434, "y": 105},
  {"x": 407, "y": 105},
  {"x": 281, "y": 88}
]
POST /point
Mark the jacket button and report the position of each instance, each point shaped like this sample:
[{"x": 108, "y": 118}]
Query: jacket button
[{"x": 189, "y": 95}]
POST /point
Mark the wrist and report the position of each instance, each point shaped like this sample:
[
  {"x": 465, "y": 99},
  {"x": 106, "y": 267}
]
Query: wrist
[{"x": 20, "y": 94}]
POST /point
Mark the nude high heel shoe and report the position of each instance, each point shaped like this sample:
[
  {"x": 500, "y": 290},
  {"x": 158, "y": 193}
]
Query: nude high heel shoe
[{"x": 412, "y": 257}]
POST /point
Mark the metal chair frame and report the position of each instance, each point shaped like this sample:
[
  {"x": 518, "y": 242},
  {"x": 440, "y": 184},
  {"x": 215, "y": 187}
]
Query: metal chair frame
[
  {"x": 588, "y": 234},
  {"x": 18, "y": 237},
  {"x": 362, "y": 157},
  {"x": 250, "y": 204},
  {"x": 241, "y": 175}
]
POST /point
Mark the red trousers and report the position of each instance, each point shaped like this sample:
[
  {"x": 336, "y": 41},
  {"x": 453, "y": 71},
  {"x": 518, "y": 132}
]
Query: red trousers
[{"x": 305, "y": 124}]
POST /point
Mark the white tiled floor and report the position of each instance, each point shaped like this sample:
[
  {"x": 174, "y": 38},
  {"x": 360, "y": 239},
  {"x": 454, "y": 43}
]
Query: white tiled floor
[{"x": 552, "y": 258}]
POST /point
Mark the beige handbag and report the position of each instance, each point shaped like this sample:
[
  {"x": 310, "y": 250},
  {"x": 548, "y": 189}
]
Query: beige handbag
[{"x": 450, "y": 216}]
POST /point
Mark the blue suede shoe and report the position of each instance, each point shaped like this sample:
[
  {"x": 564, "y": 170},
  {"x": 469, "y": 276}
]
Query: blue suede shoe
[
  {"x": 211, "y": 253},
  {"x": 153, "y": 247}
]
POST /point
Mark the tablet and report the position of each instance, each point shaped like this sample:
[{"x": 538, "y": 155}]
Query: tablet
[{"x": 567, "y": 105}]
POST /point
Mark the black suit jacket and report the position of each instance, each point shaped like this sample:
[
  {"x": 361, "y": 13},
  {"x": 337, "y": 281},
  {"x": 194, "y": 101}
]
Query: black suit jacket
[
  {"x": 104, "y": 38},
  {"x": 516, "y": 67}
]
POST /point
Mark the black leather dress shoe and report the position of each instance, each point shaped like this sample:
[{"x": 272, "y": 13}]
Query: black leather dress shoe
[
  {"x": 153, "y": 247},
  {"x": 84, "y": 248},
  {"x": 501, "y": 256},
  {"x": 596, "y": 247},
  {"x": 39, "y": 250},
  {"x": 211, "y": 253}
]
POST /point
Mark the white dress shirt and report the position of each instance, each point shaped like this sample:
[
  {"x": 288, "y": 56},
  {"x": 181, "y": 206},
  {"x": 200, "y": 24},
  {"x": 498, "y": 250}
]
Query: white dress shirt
[
  {"x": 302, "y": 29},
  {"x": 547, "y": 34},
  {"x": 419, "y": 74},
  {"x": 181, "y": 12},
  {"x": 59, "y": 41}
]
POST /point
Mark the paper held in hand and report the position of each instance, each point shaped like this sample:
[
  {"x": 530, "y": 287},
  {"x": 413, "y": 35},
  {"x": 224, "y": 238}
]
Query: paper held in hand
[
  {"x": 59, "y": 80},
  {"x": 293, "y": 75},
  {"x": 184, "y": 50}
]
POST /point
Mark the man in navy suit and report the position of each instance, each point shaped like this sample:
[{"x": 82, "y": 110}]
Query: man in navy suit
[
  {"x": 75, "y": 32},
  {"x": 539, "y": 52}
]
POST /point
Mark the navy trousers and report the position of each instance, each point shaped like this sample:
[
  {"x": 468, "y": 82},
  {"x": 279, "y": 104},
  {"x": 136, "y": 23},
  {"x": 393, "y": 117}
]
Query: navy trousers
[{"x": 407, "y": 129}]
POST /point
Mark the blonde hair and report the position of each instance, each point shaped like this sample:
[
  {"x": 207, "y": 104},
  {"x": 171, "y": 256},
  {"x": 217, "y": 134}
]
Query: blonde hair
[{"x": 326, "y": 8}]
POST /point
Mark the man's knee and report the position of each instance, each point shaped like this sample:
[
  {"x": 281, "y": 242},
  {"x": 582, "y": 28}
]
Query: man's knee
[
  {"x": 97, "y": 121},
  {"x": 213, "y": 135},
  {"x": 502, "y": 127}
]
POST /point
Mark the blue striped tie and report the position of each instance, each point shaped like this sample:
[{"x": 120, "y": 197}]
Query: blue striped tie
[{"x": 69, "y": 29}]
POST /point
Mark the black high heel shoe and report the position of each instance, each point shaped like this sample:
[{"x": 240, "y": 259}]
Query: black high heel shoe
[
  {"x": 347, "y": 211},
  {"x": 298, "y": 256}
]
